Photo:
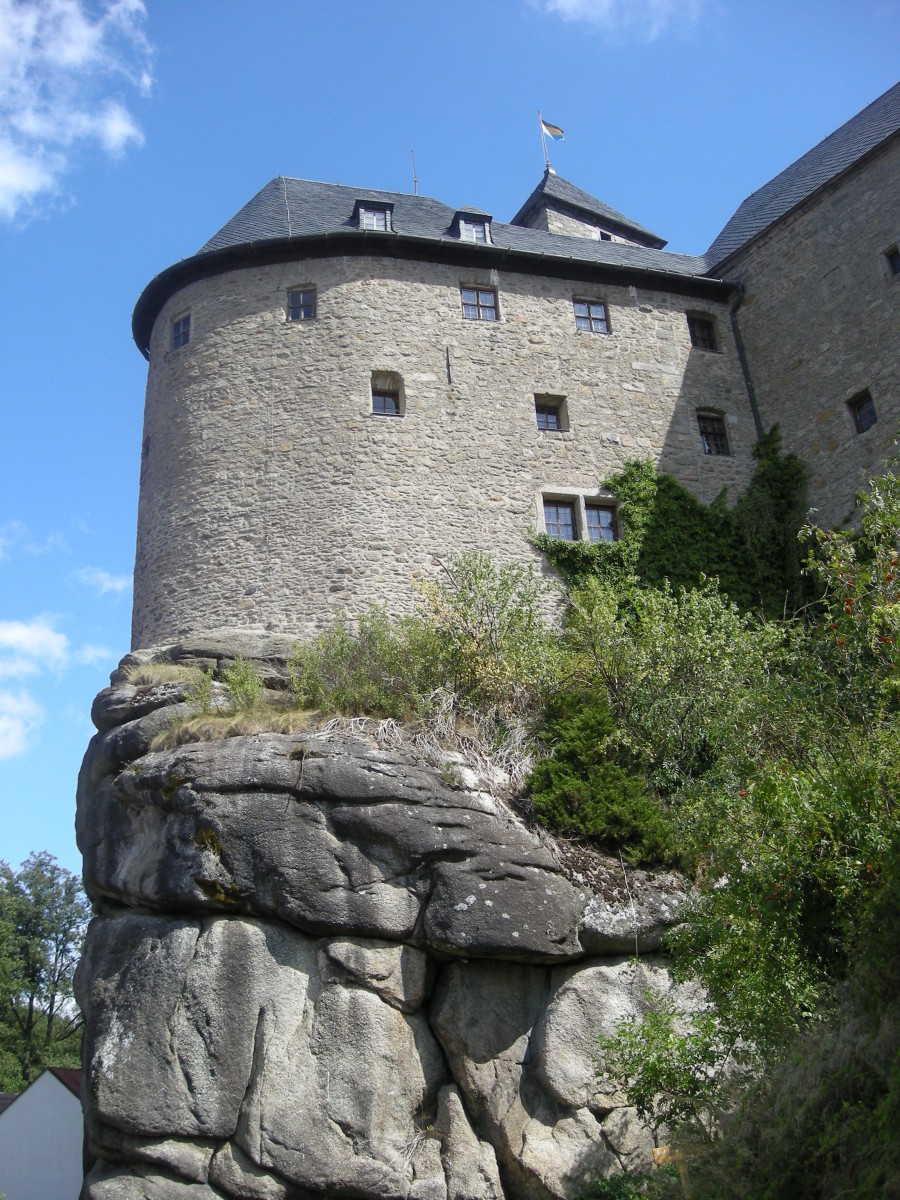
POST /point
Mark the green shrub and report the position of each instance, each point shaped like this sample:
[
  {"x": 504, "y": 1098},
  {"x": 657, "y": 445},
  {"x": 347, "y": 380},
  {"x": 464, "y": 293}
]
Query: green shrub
[
  {"x": 662, "y": 1183},
  {"x": 243, "y": 682},
  {"x": 589, "y": 785}
]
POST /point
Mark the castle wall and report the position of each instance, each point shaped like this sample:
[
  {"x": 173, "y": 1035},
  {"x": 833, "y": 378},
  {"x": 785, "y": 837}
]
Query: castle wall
[
  {"x": 821, "y": 322},
  {"x": 271, "y": 496}
]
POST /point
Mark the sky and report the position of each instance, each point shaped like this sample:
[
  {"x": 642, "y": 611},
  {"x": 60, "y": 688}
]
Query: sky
[{"x": 130, "y": 132}]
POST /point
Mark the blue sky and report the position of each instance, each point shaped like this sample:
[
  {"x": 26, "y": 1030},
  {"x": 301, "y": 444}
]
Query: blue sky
[{"x": 130, "y": 132}]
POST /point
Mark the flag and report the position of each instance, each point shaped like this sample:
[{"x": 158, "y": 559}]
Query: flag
[{"x": 552, "y": 131}]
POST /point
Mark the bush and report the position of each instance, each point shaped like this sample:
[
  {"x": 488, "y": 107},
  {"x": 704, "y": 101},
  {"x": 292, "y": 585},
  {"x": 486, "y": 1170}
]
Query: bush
[
  {"x": 589, "y": 785},
  {"x": 243, "y": 682}
]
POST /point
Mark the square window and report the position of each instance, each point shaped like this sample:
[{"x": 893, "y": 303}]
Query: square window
[
  {"x": 862, "y": 408},
  {"x": 601, "y": 522},
  {"x": 374, "y": 218},
  {"x": 301, "y": 305},
  {"x": 703, "y": 332},
  {"x": 591, "y": 316},
  {"x": 559, "y": 520},
  {"x": 550, "y": 413},
  {"x": 473, "y": 231},
  {"x": 713, "y": 437},
  {"x": 479, "y": 304},
  {"x": 893, "y": 259},
  {"x": 181, "y": 331},
  {"x": 386, "y": 404}
]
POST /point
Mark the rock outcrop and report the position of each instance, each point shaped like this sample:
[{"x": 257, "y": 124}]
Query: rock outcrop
[{"x": 325, "y": 967}]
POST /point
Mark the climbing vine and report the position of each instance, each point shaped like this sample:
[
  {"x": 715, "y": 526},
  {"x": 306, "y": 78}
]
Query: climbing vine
[{"x": 751, "y": 547}]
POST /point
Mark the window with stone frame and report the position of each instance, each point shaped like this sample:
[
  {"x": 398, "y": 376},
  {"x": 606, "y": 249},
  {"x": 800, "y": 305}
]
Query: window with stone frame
[
  {"x": 479, "y": 304},
  {"x": 181, "y": 330},
  {"x": 713, "y": 435},
  {"x": 592, "y": 316},
  {"x": 559, "y": 520},
  {"x": 473, "y": 231},
  {"x": 892, "y": 257},
  {"x": 862, "y": 409},
  {"x": 301, "y": 305},
  {"x": 551, "y": 414},
  {"x": 601, "y": 522},
  {"x": 703, "y": 331}
]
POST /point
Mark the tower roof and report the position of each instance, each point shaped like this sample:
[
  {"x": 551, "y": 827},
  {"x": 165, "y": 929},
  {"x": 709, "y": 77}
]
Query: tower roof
[
  {"x": 293, "y": 218},
  {"x": 567, "y": 195},
  {"x": 796, "y": 183}
]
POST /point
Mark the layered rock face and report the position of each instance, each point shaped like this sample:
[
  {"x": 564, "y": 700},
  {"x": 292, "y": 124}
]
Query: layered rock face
[{"x": 325, "y": 967}]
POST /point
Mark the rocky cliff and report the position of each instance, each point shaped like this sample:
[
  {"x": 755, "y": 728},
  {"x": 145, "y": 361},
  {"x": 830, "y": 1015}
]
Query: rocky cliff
[{"x": 324, "y": 966}]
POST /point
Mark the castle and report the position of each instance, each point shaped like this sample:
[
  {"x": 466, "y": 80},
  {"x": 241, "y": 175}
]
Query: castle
[{"x": 347, "y": 385}]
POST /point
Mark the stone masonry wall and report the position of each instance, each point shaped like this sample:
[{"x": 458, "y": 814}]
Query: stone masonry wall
[
  {"x": 821, "y": 322},
  {"x": 271, "y": 496}
]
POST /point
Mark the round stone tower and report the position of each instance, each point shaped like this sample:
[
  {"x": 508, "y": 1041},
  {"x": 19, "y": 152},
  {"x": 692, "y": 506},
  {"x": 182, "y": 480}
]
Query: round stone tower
[{"x": 347, "y": 387}]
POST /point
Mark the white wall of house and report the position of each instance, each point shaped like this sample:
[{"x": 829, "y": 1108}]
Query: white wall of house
[{"x": 40, "y": 1143}]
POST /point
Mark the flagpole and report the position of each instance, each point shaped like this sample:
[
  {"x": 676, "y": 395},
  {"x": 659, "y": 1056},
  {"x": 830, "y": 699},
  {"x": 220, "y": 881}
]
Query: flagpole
[{"x": 543, "y": 139}]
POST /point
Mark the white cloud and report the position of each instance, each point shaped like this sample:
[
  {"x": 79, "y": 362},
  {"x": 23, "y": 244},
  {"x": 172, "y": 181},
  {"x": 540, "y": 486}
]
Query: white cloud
[
  {"x": 27, "y": 647},
  {"x": 17, "y": 535},
  {"x": 644, "y": 18},
  {"x": 103, "y": 581},
  {"x": 89, "y": 654},
  {"x": 20, "y": 716},
  {"x": 58, "y": 65}
]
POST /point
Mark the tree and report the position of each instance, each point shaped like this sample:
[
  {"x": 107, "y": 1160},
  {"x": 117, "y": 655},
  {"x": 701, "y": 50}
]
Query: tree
[{"x": 43, "y": 918}]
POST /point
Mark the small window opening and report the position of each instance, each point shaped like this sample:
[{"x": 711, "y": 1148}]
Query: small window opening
[
  {"x": 479, "y": 304},
  {"x": 550, "y": 413},
  {"x": 388, "y": 394},
  {"x": 713, "y": 437},
  {"x": 703, "y": 332},
  {"x": 473, "y": 231},
  {"x": 181, "y": 331},
  {"x": 302, "y": 304},
  {"x": 591, "y": 316},
  {"x": 862, "y": 409},
  {"x": 893, "y": 259},
  {"x": 374, "y": 218},
  {"x": 559, "y": 520},
  {"x": 601, "y": 522}
]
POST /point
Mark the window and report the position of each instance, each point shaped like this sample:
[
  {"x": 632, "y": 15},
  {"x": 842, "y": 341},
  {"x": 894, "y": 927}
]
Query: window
[
  {"x": 386, "y": 404},
  {"x": 181, "y": 331},
  {"x": 703, "y": 334},
  {"x": 388, "y": 394},
  {"x": 862, "y": 409},
  {"x": 301, "y": 305},
  {"x": 374, "y": 218},
  {"x": 893, "y": 260},
  {"x": 601, "y": 522},
  {"x": 591, "y": 315},
  {"x": 550, "y": 413},
  {"x": 559, "y": 519},
  {"x": 479, "y": 304},
  {"x": 713, "y": 437},
  {"x": 605, "y": 237},
  {"x": 473, "y": 231}
]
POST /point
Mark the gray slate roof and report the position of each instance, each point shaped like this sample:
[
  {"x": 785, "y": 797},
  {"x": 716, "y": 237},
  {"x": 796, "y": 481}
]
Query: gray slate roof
[
  {"x": 555, "y": 188},
  {"x": 802, "y": 178},
  {"x": 294, "y": 208}
]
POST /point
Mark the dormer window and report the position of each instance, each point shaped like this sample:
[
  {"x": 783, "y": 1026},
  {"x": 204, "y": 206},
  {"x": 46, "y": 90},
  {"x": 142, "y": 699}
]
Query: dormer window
[
  {"x": 375, "y": 217},
  {"x": 473, "y": 231}
]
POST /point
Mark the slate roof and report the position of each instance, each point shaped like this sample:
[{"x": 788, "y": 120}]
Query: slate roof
[
  {"x": 555, "y": 188},
  {"x": 292, "y": 208},
  {"x": 839, "y": 151}
]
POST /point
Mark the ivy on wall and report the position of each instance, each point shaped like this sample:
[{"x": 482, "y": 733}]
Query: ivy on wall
[{"x": 751, "y": 547}]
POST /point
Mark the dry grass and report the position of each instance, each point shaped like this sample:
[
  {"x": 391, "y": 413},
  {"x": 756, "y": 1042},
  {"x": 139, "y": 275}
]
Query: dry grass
[
  {"x": 213, "y": 727},
  {"x": 146, "y": 674}
]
